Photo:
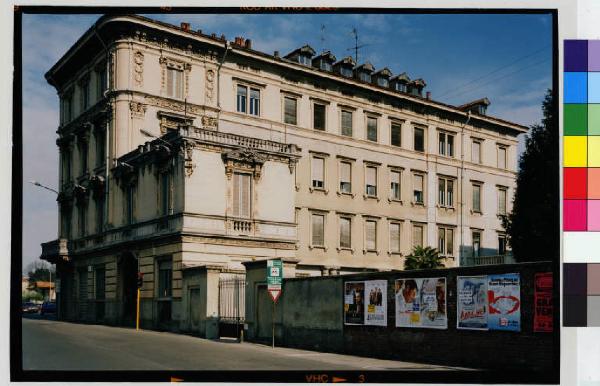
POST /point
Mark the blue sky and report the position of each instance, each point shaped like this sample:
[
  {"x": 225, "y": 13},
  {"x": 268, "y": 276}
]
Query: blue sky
[{"x": 507, "y": 58}]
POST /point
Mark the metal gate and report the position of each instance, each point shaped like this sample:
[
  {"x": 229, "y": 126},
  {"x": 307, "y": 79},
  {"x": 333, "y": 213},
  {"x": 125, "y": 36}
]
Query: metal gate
[{"x": 231, "y": 304}]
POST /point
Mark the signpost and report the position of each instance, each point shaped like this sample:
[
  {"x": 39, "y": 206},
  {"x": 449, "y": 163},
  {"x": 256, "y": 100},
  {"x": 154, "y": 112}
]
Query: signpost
[{"x": 274, "y": 279}]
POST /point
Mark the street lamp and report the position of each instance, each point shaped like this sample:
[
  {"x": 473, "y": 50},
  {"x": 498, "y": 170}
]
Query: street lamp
[{"x": 36, "y": 183}]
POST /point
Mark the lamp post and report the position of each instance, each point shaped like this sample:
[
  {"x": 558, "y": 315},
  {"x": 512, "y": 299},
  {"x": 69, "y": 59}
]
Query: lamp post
[{"x": 36, "y": 183}]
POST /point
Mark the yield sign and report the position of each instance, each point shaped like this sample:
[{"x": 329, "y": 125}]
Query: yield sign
[{"x": 275, "y": 293}]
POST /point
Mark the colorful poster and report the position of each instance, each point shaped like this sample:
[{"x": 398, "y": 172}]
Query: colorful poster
[
  {"x": 433, "y": 303},
  {"x": 471, "y": 302},
  {"x": 543, "y": 307},
  {"x": 504, "y": 298},
  {"x": 421, "y": 303},
  {"x": 354, "y": 308},
  {"x": 376, "y": 302},
  {"x": 408, "y": 310}
]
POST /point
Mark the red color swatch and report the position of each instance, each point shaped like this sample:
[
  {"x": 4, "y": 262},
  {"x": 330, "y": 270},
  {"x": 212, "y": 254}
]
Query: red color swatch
[{"x": 575, "y": 183}]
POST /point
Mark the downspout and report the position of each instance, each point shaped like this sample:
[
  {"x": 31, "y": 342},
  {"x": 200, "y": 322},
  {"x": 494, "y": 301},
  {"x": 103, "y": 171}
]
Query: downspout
[
  {"x": 462, "y": 185},
  {"x": 227, "y": 48}
]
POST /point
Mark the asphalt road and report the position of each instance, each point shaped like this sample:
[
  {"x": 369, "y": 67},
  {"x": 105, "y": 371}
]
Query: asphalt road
[{"x": 53, "y": 345}]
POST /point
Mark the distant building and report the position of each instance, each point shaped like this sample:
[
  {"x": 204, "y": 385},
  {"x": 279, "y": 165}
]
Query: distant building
[
  {"x": 45, "y": 288},
  {"x": 183, "y": 155}
]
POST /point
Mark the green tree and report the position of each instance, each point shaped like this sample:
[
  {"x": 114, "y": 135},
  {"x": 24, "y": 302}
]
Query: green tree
[
  {"x": 533, "y": 226},
  {"x": 423, "y": 258},
  {"x": 39, "y": 271}
]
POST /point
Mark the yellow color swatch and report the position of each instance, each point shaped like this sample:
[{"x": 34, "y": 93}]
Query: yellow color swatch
[
  {"x": 594, "y": 151},
  {"x": 575, "y": 151}
]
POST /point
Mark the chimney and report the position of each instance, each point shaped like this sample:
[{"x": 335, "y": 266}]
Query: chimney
[
  {"x": 185, "y": 26},
  {"x": 199, "y": 31},
  {"x": 276, "y": 54},
  {"x": 428, "y": 95},
  {"x": 249, "y": 44}
]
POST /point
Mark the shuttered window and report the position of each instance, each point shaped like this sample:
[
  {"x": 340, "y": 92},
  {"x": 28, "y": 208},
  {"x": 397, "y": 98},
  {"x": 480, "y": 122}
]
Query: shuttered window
[
  {"x": 345, "y": 234},
  {"x": 241, "y": 195},
  {"x": 394, "y": 237},
  {"x": 371, "y": 181},
  {"x": 371, "y": 235},
  {"x": 290, "y": 105},
  {"x": 502, "y": 201},
  {"x": 347, "y": 123},
  {"x": 318, "y": 172},
  {"x": 318, "y": 229},
  {"x": 418, "y": 195},
  {"x": 477, "y": 198},
  {"x": 345, "y": 177},
  {"x": 417, "y": 235},
  {"x": 476, "y": 152},
  {"x": 394, "y": 185},
  {"x": 501, "y": 157},
  {"x": 174, "y": 83}
]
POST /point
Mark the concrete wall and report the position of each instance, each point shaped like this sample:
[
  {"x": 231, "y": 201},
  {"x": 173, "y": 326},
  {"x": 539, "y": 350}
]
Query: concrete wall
[{"x": 310, "y": 315}]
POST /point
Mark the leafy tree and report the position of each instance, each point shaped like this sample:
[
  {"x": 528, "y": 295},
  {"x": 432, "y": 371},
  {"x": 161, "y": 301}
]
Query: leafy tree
[
  {"x": 39, "y": 271},
  {"x": 423, "y": 258},
  {"x": 533, "y": 226}
]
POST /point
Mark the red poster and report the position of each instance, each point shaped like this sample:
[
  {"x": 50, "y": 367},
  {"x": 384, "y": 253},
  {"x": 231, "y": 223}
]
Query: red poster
[{"x": 542, "y": 319}]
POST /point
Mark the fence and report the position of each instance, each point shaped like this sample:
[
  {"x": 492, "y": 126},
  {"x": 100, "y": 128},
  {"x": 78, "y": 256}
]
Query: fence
[{"x": 231, "y": 304}]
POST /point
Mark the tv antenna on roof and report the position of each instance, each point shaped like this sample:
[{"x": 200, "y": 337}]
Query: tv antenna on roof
[
  {"x": 356, "y": 45},
  {"x": 323, "y": 49}
]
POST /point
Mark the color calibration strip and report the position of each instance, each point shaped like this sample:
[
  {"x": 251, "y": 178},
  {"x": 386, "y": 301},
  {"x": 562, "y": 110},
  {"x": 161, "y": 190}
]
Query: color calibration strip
[{"x": 581, "y": 295}]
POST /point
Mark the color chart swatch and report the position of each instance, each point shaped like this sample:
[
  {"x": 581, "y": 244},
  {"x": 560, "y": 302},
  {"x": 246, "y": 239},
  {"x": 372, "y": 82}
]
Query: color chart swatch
[
  {"x": 581, "y": 125},
  {"x": 581, "y": 295}
]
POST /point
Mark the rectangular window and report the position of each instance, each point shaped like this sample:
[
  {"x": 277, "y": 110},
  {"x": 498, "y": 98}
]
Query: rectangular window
[
  {"x": 476, "y": 198},
  {"x": 318, "y": 173},
  {"x": 394, "y": 237},
  {"x": 81, "y": 220},
  {"x": 476, "y": 152},
  {"x": 347, "y": 123},
  {"x": 501, "y": 157},
  {"x": 325, "y": 65},
  {"x": 165, "y": 190},
  {"x": 396, "y": 134},
  {"x": 85, "y": 95},
  {"x": 446, "y": 192},
  {"x": 371, "y": 181},
  {"x": 101, "y": 84},
  {"x": 100, "y": 148},
  {"x": 365, "y": 77},
  {"x": 394, "y": 185},
  {"x": 318, "y": 230},
  {"x": 242, "y": 98},
  {"x": 99, "y": 214},
  {"x": 417, "y": 236},
  {"x": 241, "y": 195},
  {"x": 83, "y": 157},
  {"x": 383, "y": 82},
  {"x": 290, "y": 110},
  {"x": 501, "y": 201},
  {"x": 345, "y": 177},
  {"x": 66, "y": 158},
  {"x": 174, "y": 83},
  {"x": 345, "y": 71},
  {"x": 345, "y": 232},
  {"x": 372, "y": 129},
  {"x": 476, "y": 243},
  {"x": 401, "y": 87},
  {"x": 129, "y": 204},
  {"x": 67, "y": 108},
  {"x": 254, "y": 101},
  {"x": 501, "y": 244},
  {"x": 100, "y": 283},
  {"x": 418, "y": 191},
  {"x": 165, "y": 278},
  {"x": 446, "y": 144},
  {"x": 371, "y": 235},
  {"x": 419, "y": 139},
  {"x": 446, "y": 241},
  {"x": 318, "y": 116}
]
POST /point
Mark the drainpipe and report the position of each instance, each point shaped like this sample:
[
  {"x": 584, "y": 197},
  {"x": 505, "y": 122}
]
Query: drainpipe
[
  {"x": 227, "y": 48},
  {"x": 462, "y": 185}
]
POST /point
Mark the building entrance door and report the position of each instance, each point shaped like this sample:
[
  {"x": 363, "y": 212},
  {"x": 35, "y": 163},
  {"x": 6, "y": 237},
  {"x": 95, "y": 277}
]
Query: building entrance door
[{"x": 128, "y": 278}]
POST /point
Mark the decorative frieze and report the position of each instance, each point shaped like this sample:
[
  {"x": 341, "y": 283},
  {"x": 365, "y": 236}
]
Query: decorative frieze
[
  {"x": 210, "y": 78},
  {"x": 138, "y": 109},
  {"x": 243, "y": 159},
  {"x": 138, "y": 68},
  {"x": 174, "y": 105}
]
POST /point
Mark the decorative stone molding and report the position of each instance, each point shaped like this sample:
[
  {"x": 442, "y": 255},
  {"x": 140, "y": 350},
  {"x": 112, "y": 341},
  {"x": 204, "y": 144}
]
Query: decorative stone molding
[
  {"x": 138, "y": 68},
  {"x": 243, "y": 159},
  {"x": 138, "y": 109},
  {"x": 209, "y": 122},
  {"x": 210, "y": 78},
  {"x": 174, "y": 105},
  {"x": 165, "y": 63},
  {"x": 188, "y": 164}
]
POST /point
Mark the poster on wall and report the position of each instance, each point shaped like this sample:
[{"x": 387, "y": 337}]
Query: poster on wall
[
  {"x": 433, "y": 303},
  {"x": 421, "y": 303},
  {"x": 504, "y": 298},
  {"x": 354, "y": 305},
  {"x": 408, "y": 310},
  {"x": 543, "y": 307},
  {"x": 471, "y": 312},
  {"x": 376, "y": 302}
]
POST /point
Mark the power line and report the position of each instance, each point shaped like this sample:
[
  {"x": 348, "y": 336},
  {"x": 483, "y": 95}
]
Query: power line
[{"x": 451, "y": 91}]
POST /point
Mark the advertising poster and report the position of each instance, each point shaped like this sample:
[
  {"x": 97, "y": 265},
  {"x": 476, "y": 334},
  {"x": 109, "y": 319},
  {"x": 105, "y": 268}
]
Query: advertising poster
[
  {"x": 504, "y": 297},
  {"x": 408, "y": 310},
  {"x": 433, "y": 303},
  {"x": 354, "y": 304},
  {"x": 471, "y": 302},
  {"x": 376, "y": 302},
  {"x": 542, "y": 298}
]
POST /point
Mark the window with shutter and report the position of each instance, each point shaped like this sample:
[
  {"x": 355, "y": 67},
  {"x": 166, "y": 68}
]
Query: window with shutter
[
  {"x": 345, "y": 177},
  {"x": 501, "y": 157},
  {"x": 372, "y": 129},
  {"x": 371, "y": 235},
  {"x": 476, "y": 152},
  {"x": 395, "y": 185},
  {"x": 371, "y": 181},
  {"x": 318, "y": 173},
  {"x": 318, "y": 228},
  {"x": 477, "y": 198},
  {"x": 345, "y": 233},
  {"x": 394, "y": 237},
  {"x": 502, "y": 201},
  {"x": 418, "y": 195},
  {"x": 174, "y": 83},
  {"x": 290, "y": 105},
  {"x": 396, "y": 134},
  {"x": 347, "y": 123},
  {"x": 417, "y": 235},
  {"x": 241, "y": 195}
]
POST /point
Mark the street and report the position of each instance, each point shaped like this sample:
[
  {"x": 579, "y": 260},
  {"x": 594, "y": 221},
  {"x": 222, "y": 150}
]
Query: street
[{"x": 53, "y": 345}]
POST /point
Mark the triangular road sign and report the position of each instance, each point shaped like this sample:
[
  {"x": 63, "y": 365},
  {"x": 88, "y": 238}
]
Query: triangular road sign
[{"x": 275, "y": 293}]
